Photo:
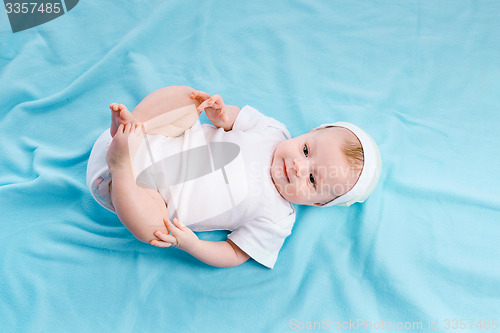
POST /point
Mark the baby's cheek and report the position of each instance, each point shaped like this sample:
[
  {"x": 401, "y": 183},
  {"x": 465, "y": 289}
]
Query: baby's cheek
[
  {"x": 305, "y": 191},
  {"x": 297, "y": 191}
]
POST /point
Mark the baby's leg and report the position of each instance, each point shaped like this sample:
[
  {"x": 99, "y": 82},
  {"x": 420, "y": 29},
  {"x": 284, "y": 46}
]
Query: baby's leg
[
  {"x": 164, "y": 100},
  {"x": 155, "y": 104},
  {"x": 140, "y": 210}
]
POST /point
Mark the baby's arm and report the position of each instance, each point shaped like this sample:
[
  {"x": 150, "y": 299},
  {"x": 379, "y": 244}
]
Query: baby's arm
[
  {"x": 221, "y": 115},
  {"x": 219, "y": 254}
]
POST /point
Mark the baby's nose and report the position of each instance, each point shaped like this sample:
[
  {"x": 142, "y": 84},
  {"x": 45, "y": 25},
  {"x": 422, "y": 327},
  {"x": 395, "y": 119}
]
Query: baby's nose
[{"x": 300, "y": 166}]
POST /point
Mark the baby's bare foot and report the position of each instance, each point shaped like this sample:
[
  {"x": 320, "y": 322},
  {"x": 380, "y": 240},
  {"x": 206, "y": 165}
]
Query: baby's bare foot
[
  {"x": 120, "y": 115},
  {"x": 122, "y": 150}
]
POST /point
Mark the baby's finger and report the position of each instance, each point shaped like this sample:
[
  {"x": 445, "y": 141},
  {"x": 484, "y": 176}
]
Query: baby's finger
[
  {"x": 217, "y": 100},
  {"x": 223, "y": 116},
  {"x": 171, "y": 227},
  {"x": 203, "y": 105},
  {"x": 143, "y": 128},
  {"x": 178, "y": 223},
  {"x": 221, "y": 113},
  {"x": 166, "y": 238},
  {"x": 157, "y": 243},
  {"x": 139, "y": 128}
]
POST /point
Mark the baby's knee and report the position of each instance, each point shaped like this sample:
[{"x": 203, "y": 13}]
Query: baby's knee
[
  {"x": 145, "y": 238},
  {"x": 153, "y": 220}
]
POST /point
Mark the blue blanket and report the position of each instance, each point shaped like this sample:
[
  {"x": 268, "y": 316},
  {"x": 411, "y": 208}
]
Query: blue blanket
[{"x": 422, "y": 77}]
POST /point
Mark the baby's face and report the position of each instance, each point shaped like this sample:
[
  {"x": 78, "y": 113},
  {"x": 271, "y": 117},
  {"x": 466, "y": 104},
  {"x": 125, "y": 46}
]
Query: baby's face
[{"x": 311, "y": 169}]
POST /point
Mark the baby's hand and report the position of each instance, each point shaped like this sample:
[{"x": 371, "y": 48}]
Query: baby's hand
[
  {"x": 181, "y": 236},
  {"x": 214, "y": 107}
]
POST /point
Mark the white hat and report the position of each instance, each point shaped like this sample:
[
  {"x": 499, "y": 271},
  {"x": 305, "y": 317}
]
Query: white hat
[{"x": 371, "y": 168}]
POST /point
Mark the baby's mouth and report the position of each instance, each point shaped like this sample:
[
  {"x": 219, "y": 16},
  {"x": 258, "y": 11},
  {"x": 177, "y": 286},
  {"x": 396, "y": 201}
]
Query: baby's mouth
[{"x": 284, "y": 171}]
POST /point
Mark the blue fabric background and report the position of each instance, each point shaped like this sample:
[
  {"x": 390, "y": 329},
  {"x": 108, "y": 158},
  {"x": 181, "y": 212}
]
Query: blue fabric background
[{"x": 422, "y": 77}]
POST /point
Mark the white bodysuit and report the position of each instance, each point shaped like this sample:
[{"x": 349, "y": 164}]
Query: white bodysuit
[{"x": 221, "y": 181}]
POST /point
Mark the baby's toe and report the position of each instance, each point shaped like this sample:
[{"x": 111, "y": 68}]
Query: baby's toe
[{"x": 126, "y": 116}]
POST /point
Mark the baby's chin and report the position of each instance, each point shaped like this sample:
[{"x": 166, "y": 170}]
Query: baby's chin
[
  {"x": 273, "y": 172},
  {"x": 274, "y": 177}
]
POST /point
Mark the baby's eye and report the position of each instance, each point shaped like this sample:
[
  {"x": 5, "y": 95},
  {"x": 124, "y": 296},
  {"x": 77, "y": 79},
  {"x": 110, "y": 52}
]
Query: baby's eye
[
  {"x": 311, "y": 178},
  {"x": 306, "y": 150}
]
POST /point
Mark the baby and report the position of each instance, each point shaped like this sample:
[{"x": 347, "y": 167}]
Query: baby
[{"x": 333, "y": 164}]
